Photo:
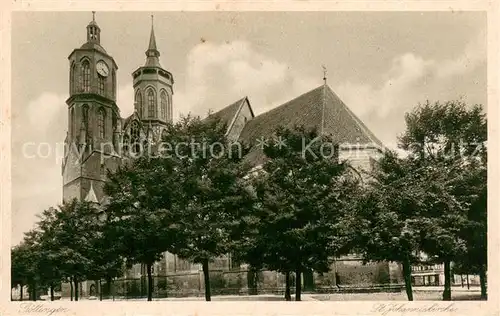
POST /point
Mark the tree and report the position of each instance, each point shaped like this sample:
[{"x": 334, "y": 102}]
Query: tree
[
  {"x": 21, "y": 267},
  {"x": 211, "y": 196},
  {"x": 389, "y": 215},
  {"x": 140, "y": 225},
  {"x": 76, "y": 226},
  {"x": 304, "y": 202},
  {"x": 452, "y": 137}
]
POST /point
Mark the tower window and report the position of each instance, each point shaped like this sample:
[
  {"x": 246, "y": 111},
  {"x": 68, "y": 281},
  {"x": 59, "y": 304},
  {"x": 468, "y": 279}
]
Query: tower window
[
  {"x": 100, "y": 122},
  {"x": 100, "y": 84},
  {"x": 113, "y": 79},
  {"x": 85, "y": 116},
  {"x": 72, "y": 122},
  {"x": 138, "y": 103},
  {"x": 73, "y": 78},
  {"x": 85, "y": 76},
  {"x": 151, "y": 103},
  {"x": 163, "y": 104}
]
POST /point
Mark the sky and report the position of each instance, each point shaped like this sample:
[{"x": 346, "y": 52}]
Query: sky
[{"x": 381, "y": 64}]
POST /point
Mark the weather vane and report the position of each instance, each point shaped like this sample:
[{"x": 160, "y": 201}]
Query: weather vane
[
  {"x": 324, "y": 73},
  {"x": 93, "y": 15}
]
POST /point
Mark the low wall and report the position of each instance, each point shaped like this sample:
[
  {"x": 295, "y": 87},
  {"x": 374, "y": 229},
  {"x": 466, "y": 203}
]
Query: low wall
[{"x": 344, "y": 274}]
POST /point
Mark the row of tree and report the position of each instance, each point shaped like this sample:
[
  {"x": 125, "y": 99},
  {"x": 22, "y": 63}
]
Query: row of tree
[{"x": 295, "y": 214}]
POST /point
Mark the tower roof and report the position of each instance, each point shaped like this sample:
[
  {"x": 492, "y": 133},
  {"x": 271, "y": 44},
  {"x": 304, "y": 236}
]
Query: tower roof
[
  {"x": 93, "y": 36},
  {"x": 152, "y": 53}
]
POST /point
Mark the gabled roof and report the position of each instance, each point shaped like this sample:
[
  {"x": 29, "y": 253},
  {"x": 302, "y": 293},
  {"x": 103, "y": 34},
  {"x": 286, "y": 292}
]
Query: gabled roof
[
  {"x": 307, "y": 110},
  {"x": 226, "y": 115},
  {"x": 318, "y": 108}
]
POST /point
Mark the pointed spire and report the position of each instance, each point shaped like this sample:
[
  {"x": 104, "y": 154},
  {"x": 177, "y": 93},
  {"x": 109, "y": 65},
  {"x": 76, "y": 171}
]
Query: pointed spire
[
  {"x": 152, "y": 39},
  {"x": 152, "y": 53}
]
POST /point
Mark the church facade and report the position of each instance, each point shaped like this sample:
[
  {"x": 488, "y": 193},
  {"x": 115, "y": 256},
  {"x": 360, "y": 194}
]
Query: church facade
[{"x": 98, "y": 137}]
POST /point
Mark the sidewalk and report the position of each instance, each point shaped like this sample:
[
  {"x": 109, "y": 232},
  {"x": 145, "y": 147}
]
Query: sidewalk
[{"x": 441, "y": 288}]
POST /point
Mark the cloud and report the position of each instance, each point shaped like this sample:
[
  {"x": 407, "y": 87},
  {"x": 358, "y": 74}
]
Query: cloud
[
  {"x": 412, "y": 79},
  {"x": 219, "y": 74}
]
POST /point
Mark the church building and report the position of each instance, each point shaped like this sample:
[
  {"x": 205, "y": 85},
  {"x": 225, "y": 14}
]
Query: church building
[{"x": 96, "y": 131}]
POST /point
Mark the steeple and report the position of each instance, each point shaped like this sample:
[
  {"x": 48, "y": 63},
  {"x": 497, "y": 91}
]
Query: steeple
[{"x": 152, "y": 53}]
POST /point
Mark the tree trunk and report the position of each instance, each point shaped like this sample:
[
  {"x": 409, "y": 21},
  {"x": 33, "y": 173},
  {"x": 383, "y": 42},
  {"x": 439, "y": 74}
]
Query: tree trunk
[
  {"x": 71, "y": 288},
  {"x": 52, "y": 292},
  {"x": 150, "y": 282},
  {"x": 75, "y": 281},
  {"x": 298, "y": 284},
  {"x": 206, "y": 276},
  {"x": 468, "y": 285},
  {"x": 288, "y": 296},
  {"x": 252, "y": 281},
  {"x": 34, "y": 292},
  {"x": 482, "y": 280},
  {"x": 21, "y": 292},
  {"x": 462, "y": 279},
  {"x": 407, "y": 277},
  {"x": 100, "y": 290},
  {"x": 447, "y": 281}
]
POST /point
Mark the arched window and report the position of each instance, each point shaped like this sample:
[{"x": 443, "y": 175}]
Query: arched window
[
  {"x": 151, "y": 103},
  {"x": 72, "y": 122},
  {"x": 163, "y": 104},
  {"x": 169, "y": 109},
  {"x": 135, "y": 137},
  {"x": 100, "y": 122},
  {"x": 100, "y": 84},
  {"x": 85, "y": 76},
  {"x": 113, "y": 79},
  {"x": 72, "y": 78},
  {"x": 138, "y": 103},
  {"x": 85, "y": 116},
  {"x": 126, "y": 141}
]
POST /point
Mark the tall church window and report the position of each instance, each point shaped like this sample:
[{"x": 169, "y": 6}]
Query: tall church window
[
  {"x": 85, "y": 76},
  {"x": 100, "y": 84},
  {"x": 151, "y": 103},
  {"x": 134, "y": 135},
  {"x": 126, "y": 141},
  {"x": 163, "y": 104},
  {"x": 100, "y": 122},
  {"x": 138, "y": 103}
]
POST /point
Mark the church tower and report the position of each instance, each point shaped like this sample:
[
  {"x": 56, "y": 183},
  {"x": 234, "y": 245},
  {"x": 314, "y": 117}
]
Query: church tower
[
  {"x": 93, "y": 118},
  {"x": 153, "y": 90}
]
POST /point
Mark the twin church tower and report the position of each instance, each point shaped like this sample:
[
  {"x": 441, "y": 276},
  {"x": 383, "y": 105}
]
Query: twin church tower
[{"x": 96, "y": 131}]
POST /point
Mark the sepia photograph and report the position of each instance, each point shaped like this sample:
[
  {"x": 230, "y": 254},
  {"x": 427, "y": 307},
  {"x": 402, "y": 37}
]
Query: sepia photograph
[{"x": 249, "y": 156}]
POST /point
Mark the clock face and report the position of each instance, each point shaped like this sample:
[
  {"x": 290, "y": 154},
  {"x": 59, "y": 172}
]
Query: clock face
[{"x": 102, "y": 68}]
